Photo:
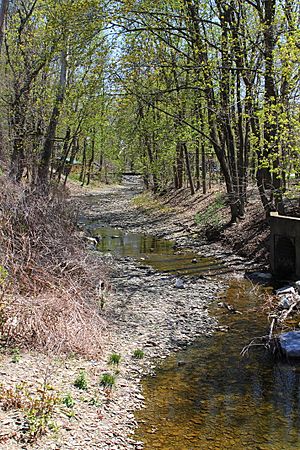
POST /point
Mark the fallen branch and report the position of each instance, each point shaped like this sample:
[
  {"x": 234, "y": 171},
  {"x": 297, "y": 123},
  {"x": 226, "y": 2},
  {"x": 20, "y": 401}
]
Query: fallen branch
[
  {"x": 253, "y": 343},
  {"x": 274, "y": 320}
]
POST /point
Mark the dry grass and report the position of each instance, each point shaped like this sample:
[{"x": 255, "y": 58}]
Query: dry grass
[
  {"x": 55, "y": 324},
  {"x": 50, "y": 284}
]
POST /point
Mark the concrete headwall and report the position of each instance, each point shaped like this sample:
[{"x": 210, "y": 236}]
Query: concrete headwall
[{"x": 285, "y": 246}]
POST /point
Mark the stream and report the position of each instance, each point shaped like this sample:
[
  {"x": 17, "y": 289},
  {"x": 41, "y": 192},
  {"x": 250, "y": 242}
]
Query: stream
[{"x": 207, "y": 396}]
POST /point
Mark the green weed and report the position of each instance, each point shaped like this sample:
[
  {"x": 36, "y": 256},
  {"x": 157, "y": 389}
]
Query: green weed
[
  {"x": 114, "y": 359},
  {"x": 94, "y": 401},
  {"x": 81, "y": 381},
  {"x": 38, "y": 407},
  {"x": 15, "y": 355},
  {"x": 138, "y": 354},
  {"x": 38, "y": 412},
  {"x": 108, "y": 380},
  {"x": 68, "y": 401}
]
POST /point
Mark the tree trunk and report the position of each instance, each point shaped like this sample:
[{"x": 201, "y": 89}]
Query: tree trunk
[
  {"x": 197, "y": 164},
  {"x": 200, "y": 50},
  {"x": 74, "y": 151},
  {"x": 188, "y": 168},
  {"x": 83, "y": 165},
  {"x": 91, "y": 160},
  {"x": 17, "y": 161},
  {"x": 43, "y": 171},
  {"x": 3, "y": 12},
  {"x": 179, "y": 165},
  {"x": 151, "y": 160},
  {"x": 64, "y": 156},
  {"x": 271, "y": 146},
  {"x": 203, "y": 164}
]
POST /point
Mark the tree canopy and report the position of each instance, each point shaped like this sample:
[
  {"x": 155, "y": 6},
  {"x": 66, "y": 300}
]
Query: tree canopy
[{"x": 180, "y": 91}]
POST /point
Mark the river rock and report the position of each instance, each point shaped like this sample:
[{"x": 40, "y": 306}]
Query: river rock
[
  {"x": 262, "y": 275},
  {"x": 290, "y": 343},
  {"x": 297, "y": 286},
  {"x": 179, "y": 283},
  {"x": 286, "y": 290}
]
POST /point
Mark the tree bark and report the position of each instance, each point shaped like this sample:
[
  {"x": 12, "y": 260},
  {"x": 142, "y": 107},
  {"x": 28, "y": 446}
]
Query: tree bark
[
  {"x": 3, "y": 12},
  {"x": 188, "y": 168},
  {"x": 179, "y": 165},
  {"x": 91, "y": 160},
  {"x": 64, "y": 156},
  {"x": 74, "y": 151},
  {"x": 43, "y": 171},
  {"x": 83, "y": 165},
  {"x": 271, "y": 146}
]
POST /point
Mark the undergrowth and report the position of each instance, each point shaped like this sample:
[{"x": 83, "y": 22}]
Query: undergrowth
[
  {"x": 49, "y": 284},
  {"x": 38, "y": 406}
]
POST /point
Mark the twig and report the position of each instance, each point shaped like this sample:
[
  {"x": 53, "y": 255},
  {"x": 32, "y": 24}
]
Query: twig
[{"x": 272, "y": 328}]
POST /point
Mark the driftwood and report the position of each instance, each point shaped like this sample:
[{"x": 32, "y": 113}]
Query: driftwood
[
  {"x": 286, "y": 313},
  {"x": 274, "y": 320}
]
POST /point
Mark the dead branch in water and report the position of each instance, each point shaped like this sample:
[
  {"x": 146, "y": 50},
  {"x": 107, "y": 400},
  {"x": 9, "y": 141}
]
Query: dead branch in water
[{"x": 255, "y": 343}]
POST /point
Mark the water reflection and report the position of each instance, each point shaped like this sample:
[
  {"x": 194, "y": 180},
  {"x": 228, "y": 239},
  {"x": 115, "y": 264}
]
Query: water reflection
[
  {"x": 218, "y": 400},
  {"x": 158, "y": 253}
]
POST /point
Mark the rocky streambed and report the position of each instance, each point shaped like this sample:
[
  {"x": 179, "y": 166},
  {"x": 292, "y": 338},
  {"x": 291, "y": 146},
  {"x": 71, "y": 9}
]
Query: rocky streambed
[
  {"x": 206, "y": 396},
  {"x": 145, "y": 308},
  {"x": 180, "y": 382}
]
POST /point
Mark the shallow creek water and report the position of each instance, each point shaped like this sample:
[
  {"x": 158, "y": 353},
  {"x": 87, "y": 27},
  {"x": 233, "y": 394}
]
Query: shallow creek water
[
  {"x": 161, "y": 254},
  {"x": 207, "y": 396}
]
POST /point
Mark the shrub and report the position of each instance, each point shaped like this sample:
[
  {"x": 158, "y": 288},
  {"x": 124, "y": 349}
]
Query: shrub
[
  {"x": 39, "y": 411},
  {"x": 38, "y": 407},
  {"x": 12, "y": 397},
  {"x": 49, "y": 282}
]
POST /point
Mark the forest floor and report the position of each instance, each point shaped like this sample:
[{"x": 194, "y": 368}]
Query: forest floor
[{"x": 143, "y": 311}]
